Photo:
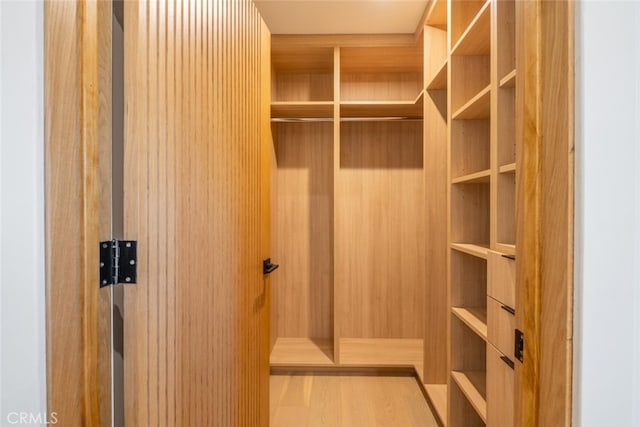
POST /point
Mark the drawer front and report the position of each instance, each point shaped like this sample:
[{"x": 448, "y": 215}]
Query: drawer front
[
  {"x": 500, "y": 390},
  {"x": 500, "y": 326},
  {"x": 501, "y": 278}
]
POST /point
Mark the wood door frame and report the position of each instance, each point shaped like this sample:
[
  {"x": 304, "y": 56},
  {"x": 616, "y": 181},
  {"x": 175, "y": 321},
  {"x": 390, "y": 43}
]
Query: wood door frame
[
  {"x": 77, "y": 39},
  {"x": 545, "y": 208}
]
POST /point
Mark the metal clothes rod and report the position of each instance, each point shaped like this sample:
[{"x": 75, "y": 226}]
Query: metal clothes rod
[{"x": 344, "y": 119}]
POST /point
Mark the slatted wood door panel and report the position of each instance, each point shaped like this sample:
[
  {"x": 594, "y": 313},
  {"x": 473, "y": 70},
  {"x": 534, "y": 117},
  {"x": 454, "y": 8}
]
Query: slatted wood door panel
[{"x": 194, "y": 322}]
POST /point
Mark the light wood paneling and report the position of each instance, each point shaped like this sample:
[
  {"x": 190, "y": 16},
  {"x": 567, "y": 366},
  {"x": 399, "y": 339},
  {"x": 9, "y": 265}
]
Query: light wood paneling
[
  {"x": 78, "y": 193},
  {"x": 380, "y": 231},
  {"x": 302, "y": 230},
  {"x": 347, "y": 401},
  {"x": 545, "y": 210},
  {"x": 435, "y": 178},
  {"x": 195, "y": 119}
]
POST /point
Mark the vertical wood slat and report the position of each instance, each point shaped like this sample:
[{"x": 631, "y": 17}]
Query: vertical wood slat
[{"x": 193, "y": 325}]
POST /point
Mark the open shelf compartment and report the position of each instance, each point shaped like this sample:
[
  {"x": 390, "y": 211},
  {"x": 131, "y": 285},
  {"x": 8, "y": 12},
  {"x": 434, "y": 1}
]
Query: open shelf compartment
[{"x": 302, "y": 74}]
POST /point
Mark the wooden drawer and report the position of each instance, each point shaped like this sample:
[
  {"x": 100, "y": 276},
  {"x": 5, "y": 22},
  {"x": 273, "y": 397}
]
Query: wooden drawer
[
  {"x": 500, "y": 390},
  {"x": 500, "y": 326},
  {"x": 501, "y": 278}
]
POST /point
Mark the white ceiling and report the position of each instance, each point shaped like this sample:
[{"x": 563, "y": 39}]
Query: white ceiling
[{"x": 341, "y": 17}]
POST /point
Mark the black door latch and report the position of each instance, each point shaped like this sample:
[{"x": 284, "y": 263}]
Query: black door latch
[{"x": 267, "y": 267}]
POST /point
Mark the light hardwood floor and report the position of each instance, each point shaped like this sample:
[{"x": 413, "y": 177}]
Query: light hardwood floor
[{"x": 348, "y": 401}]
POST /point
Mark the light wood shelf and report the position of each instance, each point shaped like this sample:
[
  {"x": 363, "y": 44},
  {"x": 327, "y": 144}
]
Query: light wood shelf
[
  {"x": 478, "y": 107},
  {"x": 302, "y": 352},
  {"x": 506, "y": 248},
  {"x": 438, "y": 395},
  {"x": 509, "y": 80},
  {"x": 474, "y": 317},
  {"x": 508, "y": 168},
  {"x": 439, "y": 80},
  {"x": 481, "y": 177},
  {"x": 437, "y": 14},
  {"x": 476, "y": 250},
  {"x": 473, "y": 386},
  {"x": 381, "y": 352},
  {"x": 476, "y": 40},
  {"x": 313, "y": 109},
  {"x": 403, "y": 109}
]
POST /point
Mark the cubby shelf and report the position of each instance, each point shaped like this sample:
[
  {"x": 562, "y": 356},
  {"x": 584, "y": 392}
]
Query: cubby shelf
[
  {"x": 509, "y": 80},
  {"x": 508, "y": 168},
  {"x": 476, "y": 40},
  {"x": 474, "y": 178},
  {"x": 473, "y": 386},
  {"x": 474, "y": 317},
  {"x": 285, "y": 110},
  {"x": 478, "y": 107},
  {"x": 476, "y": 250},
  {"x": 437, "y": 14},
  {"x": 439, "y": 81}
]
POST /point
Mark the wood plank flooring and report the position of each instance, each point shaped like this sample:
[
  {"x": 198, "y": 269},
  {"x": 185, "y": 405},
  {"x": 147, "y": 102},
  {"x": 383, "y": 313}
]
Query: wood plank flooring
[{"x": 318, "y": 400}]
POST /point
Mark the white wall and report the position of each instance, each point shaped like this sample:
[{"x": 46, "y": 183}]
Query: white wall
[
  {"x": 607, "y": 299},
  {"x": 22, "y": 321}
]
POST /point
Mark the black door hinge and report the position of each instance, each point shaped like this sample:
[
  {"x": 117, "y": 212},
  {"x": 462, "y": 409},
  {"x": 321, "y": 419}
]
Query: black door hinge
[
  {"x": 519, "y": 345},
  {"x": 118, "y": 262}
]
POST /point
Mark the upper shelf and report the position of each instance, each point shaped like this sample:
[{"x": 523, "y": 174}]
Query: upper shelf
[
  {"x": 287, "y": 110},
  {"x": 392, "y": 59},
  {"x": 439, "y": 81},
  {"x": 476, "y": 40},
  {"x": 437, "y": 14},
  {"x": 400, "y": 109},
  {"x": 480, "y": 251}
]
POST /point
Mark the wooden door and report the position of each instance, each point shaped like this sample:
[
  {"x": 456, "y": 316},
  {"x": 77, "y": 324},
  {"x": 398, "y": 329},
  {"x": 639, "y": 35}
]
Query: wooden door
[{"x": 196, "y": 322}]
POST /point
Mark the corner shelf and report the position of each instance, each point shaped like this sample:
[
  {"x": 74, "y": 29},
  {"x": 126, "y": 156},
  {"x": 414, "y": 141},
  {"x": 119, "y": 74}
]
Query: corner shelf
[
  {"x": 381, "y": 352},
  {"x": 479, "y": 251},
  {"x": 478, "y": 107},
  {"x": 307, "y": 352},
  {"x": 476, "y": 40},
  {"x": 473, "y": 386},
  {"x": 474, "y": 317}
]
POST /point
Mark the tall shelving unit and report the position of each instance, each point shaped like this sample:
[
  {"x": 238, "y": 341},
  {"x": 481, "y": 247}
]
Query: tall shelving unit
[
  {"x": 481, "y": 206},
  {"x": 436, "y": 72},
  {"x": 348, "y": 135}
]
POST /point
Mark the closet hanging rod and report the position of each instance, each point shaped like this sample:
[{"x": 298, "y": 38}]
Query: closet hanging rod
[{"x": 343, "y": 119}]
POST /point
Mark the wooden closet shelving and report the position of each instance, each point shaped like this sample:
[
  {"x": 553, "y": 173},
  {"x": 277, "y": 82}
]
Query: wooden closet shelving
[
  {"x": 482, "y": 169},
  {"x": 344, "y": 194}
]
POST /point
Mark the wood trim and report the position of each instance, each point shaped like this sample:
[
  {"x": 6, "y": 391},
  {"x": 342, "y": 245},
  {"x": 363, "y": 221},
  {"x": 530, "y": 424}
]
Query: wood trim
[
  {"x": 545, "y": 189},
  {"x": 78, "y": 161},
  {"x": 342, "y": 40}
]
